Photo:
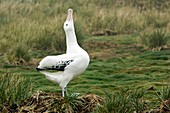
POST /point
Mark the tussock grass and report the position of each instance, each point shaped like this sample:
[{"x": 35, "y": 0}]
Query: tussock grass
[
  {"x": 164, "y": 93},
  {"x": 53, "y": 102},
  {"x": 131, "y": 67},
  {"x": 164, "y": 98},
  {"x": 33, "y": 29},
  {"x": 123, "y": 101},
  {"x": 38, "y": 24},
  {"x": 14, "y": 88},
  {"x": 154, "y": 39}
]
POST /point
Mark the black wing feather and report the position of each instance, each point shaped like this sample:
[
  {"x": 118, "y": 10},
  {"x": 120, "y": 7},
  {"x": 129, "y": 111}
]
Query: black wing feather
[{"x": 60, "y": 66}]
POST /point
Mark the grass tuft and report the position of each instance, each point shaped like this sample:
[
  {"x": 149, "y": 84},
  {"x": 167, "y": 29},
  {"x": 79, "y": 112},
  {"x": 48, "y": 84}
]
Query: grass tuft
[
  {"x": 154, "y": 39},
  {"x": 14, "y": 88},
  {"x": 164, "y": 93},
  {"x": 123, "y": 101}
]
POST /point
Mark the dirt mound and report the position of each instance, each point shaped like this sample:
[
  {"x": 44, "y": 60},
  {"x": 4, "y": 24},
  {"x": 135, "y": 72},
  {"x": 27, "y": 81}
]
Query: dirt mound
[{"x": 42, "y": 102}]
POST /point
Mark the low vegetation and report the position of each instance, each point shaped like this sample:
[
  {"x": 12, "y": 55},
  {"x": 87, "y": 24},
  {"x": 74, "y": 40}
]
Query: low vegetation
[
  {"x": 119, "y": 66},
  {"x": 123, "y": 101},
  {"x": 14, "y": 88},
  {"x": 32, "y": 25},
  {"x": 53, "y": 102},
  {"x": 155, "y": 39},
  {"x": 127, "y": 40}
]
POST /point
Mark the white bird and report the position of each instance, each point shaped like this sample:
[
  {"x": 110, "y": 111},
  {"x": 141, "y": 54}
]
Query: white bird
[{"x": 68, "y": 65}]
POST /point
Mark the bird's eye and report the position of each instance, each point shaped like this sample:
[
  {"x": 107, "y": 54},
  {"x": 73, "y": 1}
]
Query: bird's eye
[{"x": 66, "y": 24}]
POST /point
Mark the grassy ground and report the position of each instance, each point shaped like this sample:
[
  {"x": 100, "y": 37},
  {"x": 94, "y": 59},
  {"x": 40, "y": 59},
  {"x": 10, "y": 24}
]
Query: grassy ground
[
  {"x": 117, "y": 62},
  {"x": 27, "y": 25}
]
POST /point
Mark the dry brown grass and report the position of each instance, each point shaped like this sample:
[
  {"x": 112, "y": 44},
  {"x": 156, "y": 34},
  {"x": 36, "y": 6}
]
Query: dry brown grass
[
  {"x": 37, "y": 25},
  {"x": 53, "y": 102}
]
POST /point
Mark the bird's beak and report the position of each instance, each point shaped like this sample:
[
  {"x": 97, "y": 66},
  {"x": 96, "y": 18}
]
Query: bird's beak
[{"x": 70, "y": 15}]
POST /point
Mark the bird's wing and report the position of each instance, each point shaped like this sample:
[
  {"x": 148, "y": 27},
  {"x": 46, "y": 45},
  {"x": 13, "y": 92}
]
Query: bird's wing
[
  {"x": 56, "y": 62},
  {"x": 61, "y": 64}
]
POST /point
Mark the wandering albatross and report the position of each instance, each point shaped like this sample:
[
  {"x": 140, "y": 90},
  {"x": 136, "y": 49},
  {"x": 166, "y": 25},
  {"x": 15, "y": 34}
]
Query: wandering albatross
[{"x": 68, "y": 65}]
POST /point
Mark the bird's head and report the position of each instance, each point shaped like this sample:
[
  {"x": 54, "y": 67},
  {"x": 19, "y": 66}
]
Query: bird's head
[{"x": 69, "y": 24}]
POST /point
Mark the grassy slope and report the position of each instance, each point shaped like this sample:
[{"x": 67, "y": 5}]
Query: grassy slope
[{"x": 117, "y": 63}]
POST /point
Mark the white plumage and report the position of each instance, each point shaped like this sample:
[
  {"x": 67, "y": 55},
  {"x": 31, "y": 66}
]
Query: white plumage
[{"x": 68, "y": 65}]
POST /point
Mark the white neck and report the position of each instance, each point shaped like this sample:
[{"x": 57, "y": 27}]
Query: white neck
[{"x": 71, "y": 41}]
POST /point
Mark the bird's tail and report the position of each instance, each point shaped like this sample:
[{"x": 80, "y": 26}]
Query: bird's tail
[{"x": 53, "y": 76}]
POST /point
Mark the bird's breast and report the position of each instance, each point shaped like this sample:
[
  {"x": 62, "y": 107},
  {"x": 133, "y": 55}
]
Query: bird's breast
[{"x": 79, "y": 64}]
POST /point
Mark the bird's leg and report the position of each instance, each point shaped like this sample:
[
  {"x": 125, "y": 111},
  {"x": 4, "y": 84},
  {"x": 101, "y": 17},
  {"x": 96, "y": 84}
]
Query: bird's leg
[{"x": 64, "y": 91}]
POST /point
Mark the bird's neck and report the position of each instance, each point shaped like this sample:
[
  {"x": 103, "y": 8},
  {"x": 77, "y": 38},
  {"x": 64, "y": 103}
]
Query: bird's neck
[{"x": 71, "y": 41}]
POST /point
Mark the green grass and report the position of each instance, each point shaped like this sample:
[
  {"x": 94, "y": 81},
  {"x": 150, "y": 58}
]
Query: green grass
[
  {"x": 14, "y": 89},
  {"x": 28, "y": 26},
  {"x": 123, "y": 101},
  {"x": 33, "y": 30},
  {"x": 131, "y": 67}
]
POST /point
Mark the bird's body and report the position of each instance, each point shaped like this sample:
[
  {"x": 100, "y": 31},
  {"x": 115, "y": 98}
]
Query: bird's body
[{"x": 69, "y": 65}]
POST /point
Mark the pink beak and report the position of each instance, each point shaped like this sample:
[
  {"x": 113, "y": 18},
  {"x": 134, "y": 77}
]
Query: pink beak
[{"x": 69, "y": 16}]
